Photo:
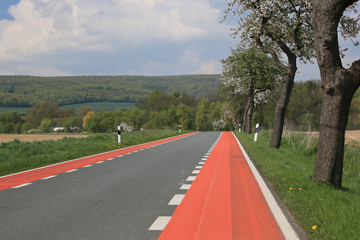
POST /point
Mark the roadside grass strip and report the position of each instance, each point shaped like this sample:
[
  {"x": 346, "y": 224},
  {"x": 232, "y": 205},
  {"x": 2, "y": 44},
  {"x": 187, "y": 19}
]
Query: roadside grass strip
[
  {"x": 21, "y": 178},
  {"x": 224, "y": 202}
]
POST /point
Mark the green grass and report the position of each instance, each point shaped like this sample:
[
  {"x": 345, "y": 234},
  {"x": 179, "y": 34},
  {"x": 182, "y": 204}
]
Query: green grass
[
  {"x": 18, "y": 156},
  {"x": 96, "y": 106},
  {"x": 101, "y": 106},
  {"x": 20, "y": 110},
  {"x": 336, "y": 213}
]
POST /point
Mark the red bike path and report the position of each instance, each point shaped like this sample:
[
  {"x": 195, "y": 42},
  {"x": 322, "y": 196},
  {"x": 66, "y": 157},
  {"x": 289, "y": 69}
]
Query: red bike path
[
  {"x": 224, "y": 202},
  {"x": 26, "y": 177}
]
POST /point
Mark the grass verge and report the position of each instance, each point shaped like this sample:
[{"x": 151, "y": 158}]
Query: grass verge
[
  {"x": 17, "y": 156},
  {"x": 322, "y": 211}
]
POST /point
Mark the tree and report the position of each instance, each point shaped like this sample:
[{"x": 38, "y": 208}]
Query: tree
[
  {"x": 277, "y": 27},
  {"x": 42, "y": 110},
  {"x": 86, "y": 119},
  {"x": 47, "y": 124},
  {"x": 202, "y": 115},
  {"x": 250, "y": 72},
  {"x": 338, "y": 85}
]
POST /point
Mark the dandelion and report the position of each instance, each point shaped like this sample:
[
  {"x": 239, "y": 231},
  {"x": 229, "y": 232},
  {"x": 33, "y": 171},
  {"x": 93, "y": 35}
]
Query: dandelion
[
  {"x": 300, "y": 188},
  {"x": 284, "y": 178},
  {"x": 291, "y": 189},
  {"x": 314, "y": 227}
]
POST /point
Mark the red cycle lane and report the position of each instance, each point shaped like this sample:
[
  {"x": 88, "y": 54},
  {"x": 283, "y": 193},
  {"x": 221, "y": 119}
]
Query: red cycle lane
[
  {"x": 224, "y": 202},
  {"x": 21, "y": 178}
]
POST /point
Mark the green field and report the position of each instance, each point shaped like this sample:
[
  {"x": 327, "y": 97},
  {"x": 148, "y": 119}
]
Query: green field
[
  {"x": 19, "y": 156},
  {"x": 322, "y": 211},
  {"x": 96, "y": 106}
]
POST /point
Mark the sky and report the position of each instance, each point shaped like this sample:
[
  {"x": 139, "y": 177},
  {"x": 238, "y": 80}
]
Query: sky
[{"x": 119, "y": 37}]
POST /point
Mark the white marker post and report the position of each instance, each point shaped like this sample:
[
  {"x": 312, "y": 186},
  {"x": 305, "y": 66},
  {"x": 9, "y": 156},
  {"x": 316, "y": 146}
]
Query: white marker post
[
  {"x": 239, "y": 127},
  {"x": 119, "y": 134},
  {"x": 179, "y": 128},
  {"x": 256, "y": 132}
]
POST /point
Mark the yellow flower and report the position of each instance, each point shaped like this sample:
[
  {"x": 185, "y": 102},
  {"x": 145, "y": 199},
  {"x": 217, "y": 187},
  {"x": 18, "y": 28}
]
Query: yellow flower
[
  {"x": 300, "y": 188},
  {"x": 284, "y": 178},
  {"x": 291, "y": 189},
  {"x": 314, "y": 227}
]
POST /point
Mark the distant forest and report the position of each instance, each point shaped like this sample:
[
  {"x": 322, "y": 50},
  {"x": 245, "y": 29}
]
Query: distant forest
[{"x": 26, "y": 91}]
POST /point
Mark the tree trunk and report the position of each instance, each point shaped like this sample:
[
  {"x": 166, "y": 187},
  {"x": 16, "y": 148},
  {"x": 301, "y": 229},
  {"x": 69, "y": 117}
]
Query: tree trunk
[
  {"x": 283, "y": 102},
  {"x": 248, "y": 113},
  {"x": 339, "y": 86}
]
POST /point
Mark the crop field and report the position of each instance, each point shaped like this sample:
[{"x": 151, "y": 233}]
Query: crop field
[
  {"x": 36, "y": 137},
  {"x": 96, "y": 106}
]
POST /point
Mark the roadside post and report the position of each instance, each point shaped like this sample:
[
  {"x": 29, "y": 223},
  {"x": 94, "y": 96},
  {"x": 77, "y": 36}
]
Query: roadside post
[
  {"x": 239, "y": 127},
  {"x": 119, "y": 134},
  {"x": 256, "y": 132},
  {"x": 179, "y": 128}
]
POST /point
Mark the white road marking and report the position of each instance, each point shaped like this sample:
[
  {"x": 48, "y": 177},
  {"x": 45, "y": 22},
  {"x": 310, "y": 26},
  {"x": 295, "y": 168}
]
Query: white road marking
[
  {"x": 160, "y": 223},
  {"x": 201, "y": 163},
  {"x": 203, "y": 159},
  {"x": 99, "y": 162},
  {"x": 46, "y": 178},
  {"x": 191, "y": 178},
  {"x": 70, "y": 171},
  {"x": 195, "y": 171},
  {"x": 22, "y": 185},
  {"x": 110, "y": 159},
  {"x": 285, "y": 227},
  {"x": 185, "y": 186},
  {"x": 176, "y": 200},
  {"x": 87, "y": 166},
  {"x": 198, "y": 167},
  {"x": 128, "y": 153}
]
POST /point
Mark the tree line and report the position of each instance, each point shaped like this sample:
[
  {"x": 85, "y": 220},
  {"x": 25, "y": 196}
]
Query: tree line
[
  {"x": 298, "y": 30},
  {"x": 26, "y": 91}
]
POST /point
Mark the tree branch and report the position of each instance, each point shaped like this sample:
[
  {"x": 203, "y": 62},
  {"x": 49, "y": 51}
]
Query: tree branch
[{"x": 271, "y": 52}]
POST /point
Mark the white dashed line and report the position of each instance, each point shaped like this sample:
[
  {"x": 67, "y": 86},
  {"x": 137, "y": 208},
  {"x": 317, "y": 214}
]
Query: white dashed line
[
  {"x": 87, "y": 166},
  {"x": 176, "y": 200},
  {"x": 195, "y": 171},
  {"x": 46, "y": 178},
  {"x": 203, "y": 159},
  {"x": 22, "y": 185},
  {"x": 201, "y": 163},
  {"x": 198, "y": 167},
  {"x": 160, "y": 223},
  {"x": 70, "y": 171},
  {"x": 110, "y": 159},
  {"x": 191, "y": 178},
  {"x": 185, "y": 186},
  {"x": 99, "y": 162}
]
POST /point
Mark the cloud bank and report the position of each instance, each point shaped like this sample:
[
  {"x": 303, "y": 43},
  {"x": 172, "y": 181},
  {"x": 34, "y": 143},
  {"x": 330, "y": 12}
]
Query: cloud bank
[{"x": 72, "y": 37}]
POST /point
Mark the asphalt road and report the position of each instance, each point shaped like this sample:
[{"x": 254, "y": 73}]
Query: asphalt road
[{"x": 118, "y": 199}]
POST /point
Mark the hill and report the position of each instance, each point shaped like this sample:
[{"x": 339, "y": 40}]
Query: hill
[{"x": 25, "y": 91}]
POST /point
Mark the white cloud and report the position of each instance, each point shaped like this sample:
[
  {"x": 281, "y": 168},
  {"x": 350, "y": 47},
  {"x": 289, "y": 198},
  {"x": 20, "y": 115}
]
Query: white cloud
[
  {"x": 210, "y": 67},
  {"x": 44, "y": 27}
]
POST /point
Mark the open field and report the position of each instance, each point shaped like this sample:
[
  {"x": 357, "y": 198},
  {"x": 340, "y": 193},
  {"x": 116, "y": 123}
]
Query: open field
[
  {"x": 351, "y": 137},
  {"x": 36, "y": 137},
  {"x": 96, "y": 106}
]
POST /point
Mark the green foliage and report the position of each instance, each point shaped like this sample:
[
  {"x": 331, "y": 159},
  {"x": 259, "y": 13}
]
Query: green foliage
[
  {"x": 11, "y": 122},
  {"x": 203, "y": 121},
  {"x": 290, "y": 169},
  {"x": 26, "y": 91},
  {"x": 47, "y": 124}
]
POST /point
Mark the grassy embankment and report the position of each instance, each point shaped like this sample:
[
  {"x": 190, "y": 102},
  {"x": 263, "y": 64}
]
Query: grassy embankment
[
  {"x": 18, "y": 156},
  {"x": 322, "y": 211}
]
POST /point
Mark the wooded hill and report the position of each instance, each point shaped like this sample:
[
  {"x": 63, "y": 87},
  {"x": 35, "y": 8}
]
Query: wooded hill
[{"x": 26, "y": 91}]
